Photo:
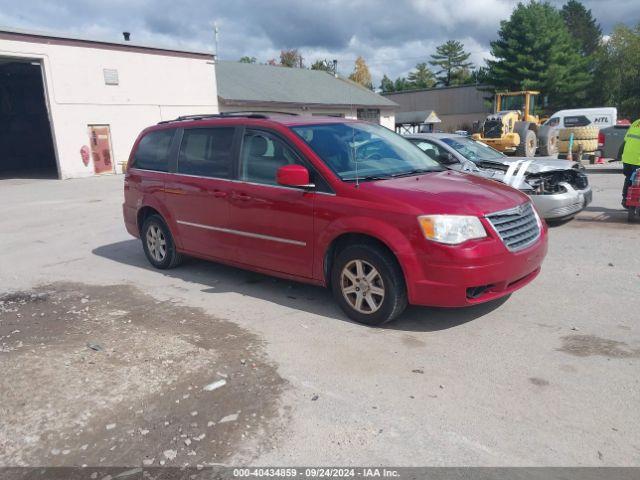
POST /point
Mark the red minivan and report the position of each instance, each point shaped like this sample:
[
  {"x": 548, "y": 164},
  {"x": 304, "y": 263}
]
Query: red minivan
[{"x": 341, "y": 203}]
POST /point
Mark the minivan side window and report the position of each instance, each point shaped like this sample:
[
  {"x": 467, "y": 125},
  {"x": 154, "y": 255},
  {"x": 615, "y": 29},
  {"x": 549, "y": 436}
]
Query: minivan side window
[
  {"x": 207, "y": 152},
  {"x": 153, "y": 151},
  {"x": 262, "y": 156},
  {"x": 576, "y": 121}
]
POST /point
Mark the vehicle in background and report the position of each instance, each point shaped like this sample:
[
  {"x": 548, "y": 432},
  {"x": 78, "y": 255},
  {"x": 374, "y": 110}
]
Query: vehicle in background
[
  {"x": 582, "y": 117},
  {"x": 611, "y": 141},
  {"x": 558, "y": 188},
  {"x": 341, "y": 203},
  {"x": 515, "y": 128},
  {"x": 633, "y": 198}
]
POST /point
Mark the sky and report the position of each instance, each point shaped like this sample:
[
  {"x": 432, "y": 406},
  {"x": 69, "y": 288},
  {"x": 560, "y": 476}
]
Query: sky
[{"x": 392, "y": 36}]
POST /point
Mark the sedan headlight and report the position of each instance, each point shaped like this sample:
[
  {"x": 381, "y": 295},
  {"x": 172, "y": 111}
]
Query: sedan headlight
[{"x": 451, "y": 229}]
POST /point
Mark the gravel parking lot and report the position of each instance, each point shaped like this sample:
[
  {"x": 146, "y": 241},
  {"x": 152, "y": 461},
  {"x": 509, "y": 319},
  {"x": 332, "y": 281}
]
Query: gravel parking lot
[{"x": 106, "y": 361}]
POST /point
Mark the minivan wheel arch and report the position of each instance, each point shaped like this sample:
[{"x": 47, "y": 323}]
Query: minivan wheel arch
[
  {"x": 346, "y": 239},
  {"x": 144, "y": 213}
]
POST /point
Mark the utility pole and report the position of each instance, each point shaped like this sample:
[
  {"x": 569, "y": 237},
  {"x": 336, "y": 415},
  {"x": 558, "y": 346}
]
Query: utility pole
[{"x": 215, "y": 38}]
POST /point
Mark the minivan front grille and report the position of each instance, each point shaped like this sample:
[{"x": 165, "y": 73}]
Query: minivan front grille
[{"x": 517, "y": 227}]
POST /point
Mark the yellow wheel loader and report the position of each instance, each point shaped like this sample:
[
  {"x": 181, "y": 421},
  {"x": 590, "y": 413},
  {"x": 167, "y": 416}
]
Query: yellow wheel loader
[{"x": 515, "y": 129}]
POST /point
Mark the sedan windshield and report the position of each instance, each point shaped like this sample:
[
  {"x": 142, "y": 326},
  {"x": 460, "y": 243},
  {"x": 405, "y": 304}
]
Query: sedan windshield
[
  {"x": 473, "y": 150},
  {"x": 365, "y": 151}
]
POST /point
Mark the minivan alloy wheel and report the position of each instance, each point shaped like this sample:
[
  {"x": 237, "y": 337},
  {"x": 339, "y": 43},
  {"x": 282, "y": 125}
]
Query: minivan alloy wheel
[
  {"x": 362, "y": 286},
  {"x": 156, "y": 243}
]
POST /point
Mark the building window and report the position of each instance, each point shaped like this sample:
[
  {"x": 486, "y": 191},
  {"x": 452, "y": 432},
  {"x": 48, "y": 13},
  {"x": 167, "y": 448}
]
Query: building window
[{"x": 369, "y": 115}]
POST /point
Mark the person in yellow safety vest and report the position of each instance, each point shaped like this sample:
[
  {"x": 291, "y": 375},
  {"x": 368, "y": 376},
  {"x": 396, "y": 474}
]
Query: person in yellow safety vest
[{"x": 630, "y": 157}]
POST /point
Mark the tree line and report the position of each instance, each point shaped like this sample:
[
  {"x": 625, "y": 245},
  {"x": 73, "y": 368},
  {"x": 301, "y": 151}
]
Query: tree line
[
  {"x": 561, "y": 52},
  {"x": 451, "y": 66},
  {"x": 292, "y": 58}
]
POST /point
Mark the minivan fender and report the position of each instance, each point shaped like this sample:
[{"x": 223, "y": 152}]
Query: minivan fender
[{"x": 390, "y": 236}]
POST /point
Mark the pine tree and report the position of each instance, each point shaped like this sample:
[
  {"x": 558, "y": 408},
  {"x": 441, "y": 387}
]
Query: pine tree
[
  {"x": 535, "y": 51},
  {"x": 361, "y": 74},
  {"x": 451, "y": 59},
  {"x": 582, "y": 26},
  {"x": 422, "y": 77},
  {"x": 323, "y": 64},
  {"x": 401, "y": 84},
  {"x": 479, "y": 75},
  {"x": 386, "y": 85},
  {"x": 587, "y": 33}
]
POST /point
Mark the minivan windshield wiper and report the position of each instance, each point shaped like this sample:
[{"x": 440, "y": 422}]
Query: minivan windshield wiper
[
  {"x": 415, "y": 171},
  {"x": 367, "y": 178}
]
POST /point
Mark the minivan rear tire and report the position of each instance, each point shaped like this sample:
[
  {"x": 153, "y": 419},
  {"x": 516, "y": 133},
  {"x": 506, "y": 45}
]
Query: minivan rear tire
[
  {"x": 158, "y": 243},
  {"x": 381, "y": 292}
]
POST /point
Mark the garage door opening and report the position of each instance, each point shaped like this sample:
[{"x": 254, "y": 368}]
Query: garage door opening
[{"x": 26, "y": 146}]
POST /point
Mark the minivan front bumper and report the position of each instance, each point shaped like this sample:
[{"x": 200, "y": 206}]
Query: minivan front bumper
[{"x": 476, "y": 280}]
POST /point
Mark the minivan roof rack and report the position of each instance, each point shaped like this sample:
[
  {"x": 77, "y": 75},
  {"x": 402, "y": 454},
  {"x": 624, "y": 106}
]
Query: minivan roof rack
[
  {"x": 247, "y": 114},
  {"x": 258, "y": 112}
]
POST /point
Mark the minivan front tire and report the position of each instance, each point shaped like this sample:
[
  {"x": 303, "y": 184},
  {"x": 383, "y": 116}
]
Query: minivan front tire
[
  {"x": 368, "y": 284},
  {"x": 158, "y": 243}
]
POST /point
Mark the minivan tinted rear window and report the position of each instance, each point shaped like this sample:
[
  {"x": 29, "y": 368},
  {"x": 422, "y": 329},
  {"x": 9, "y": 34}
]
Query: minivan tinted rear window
[
  {"x": 153, "y": 151},
  {"x": 207, "y": 152}
]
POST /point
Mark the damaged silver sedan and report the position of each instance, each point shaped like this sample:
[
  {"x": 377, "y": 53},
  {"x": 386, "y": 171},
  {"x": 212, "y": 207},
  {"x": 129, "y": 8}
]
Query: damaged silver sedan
[{"x": 558, "y": 188}]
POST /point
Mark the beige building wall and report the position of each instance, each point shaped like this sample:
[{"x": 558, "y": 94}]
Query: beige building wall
[
  {"x": 387, "y": 116},
  {"x": 152, "y": 86},
  {"x": 456, "y": 106}
]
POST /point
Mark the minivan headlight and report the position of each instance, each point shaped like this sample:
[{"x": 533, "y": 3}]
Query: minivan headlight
[{"x": 451, "y": 229}]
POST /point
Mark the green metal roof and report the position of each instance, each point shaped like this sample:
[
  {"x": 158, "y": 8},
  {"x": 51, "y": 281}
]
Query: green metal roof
[{"x": 254, "y": 83}]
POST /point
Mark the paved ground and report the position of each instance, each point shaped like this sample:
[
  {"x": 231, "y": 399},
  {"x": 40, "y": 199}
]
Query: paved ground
[{"x": 108, "y": 362}]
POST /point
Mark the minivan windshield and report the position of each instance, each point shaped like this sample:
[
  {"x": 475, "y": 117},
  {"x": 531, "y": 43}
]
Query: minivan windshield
[
  {"x": 473, "y": 150},
  {"x": 365, "y": 151}
]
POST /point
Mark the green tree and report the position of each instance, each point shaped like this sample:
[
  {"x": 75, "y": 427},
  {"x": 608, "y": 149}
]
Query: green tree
[
  {"x": 479, "y": 76},
  {"x": 361, "y": 73},
  {"x": 620, "y": 69},
  {"x": 291, "y": 58},
  {"x": 451, "y": 60},
  {"x": 422, "y": 77},
  {"x": 386, "y": 85},
  {"x": 582, "y": 26},
  {"x": 401, "y": 83},
  {"x": 534, "y": 51},
  {"x": 247, "y": 59},
  {"x": 463, "y": 76},
  {"x": 323, "y": 64},
  {"x": 587, "y": 33}
]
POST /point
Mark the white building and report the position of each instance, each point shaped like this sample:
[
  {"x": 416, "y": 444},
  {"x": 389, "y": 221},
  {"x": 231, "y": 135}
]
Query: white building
[{"x": 73, "y": 107}]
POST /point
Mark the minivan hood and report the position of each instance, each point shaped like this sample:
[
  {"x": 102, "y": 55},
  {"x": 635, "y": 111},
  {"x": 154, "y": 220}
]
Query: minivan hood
[{"x": 447, "y": 192}]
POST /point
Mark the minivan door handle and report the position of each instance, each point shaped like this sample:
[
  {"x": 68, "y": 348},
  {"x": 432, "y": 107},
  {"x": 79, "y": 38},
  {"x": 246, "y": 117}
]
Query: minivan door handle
[
  {"x": 240, "y": 196},
  {"x": 219, "y": 193}
]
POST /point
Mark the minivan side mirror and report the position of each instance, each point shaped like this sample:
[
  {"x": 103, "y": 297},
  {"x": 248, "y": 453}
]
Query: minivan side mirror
[{"x": 293, "y": 176}]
